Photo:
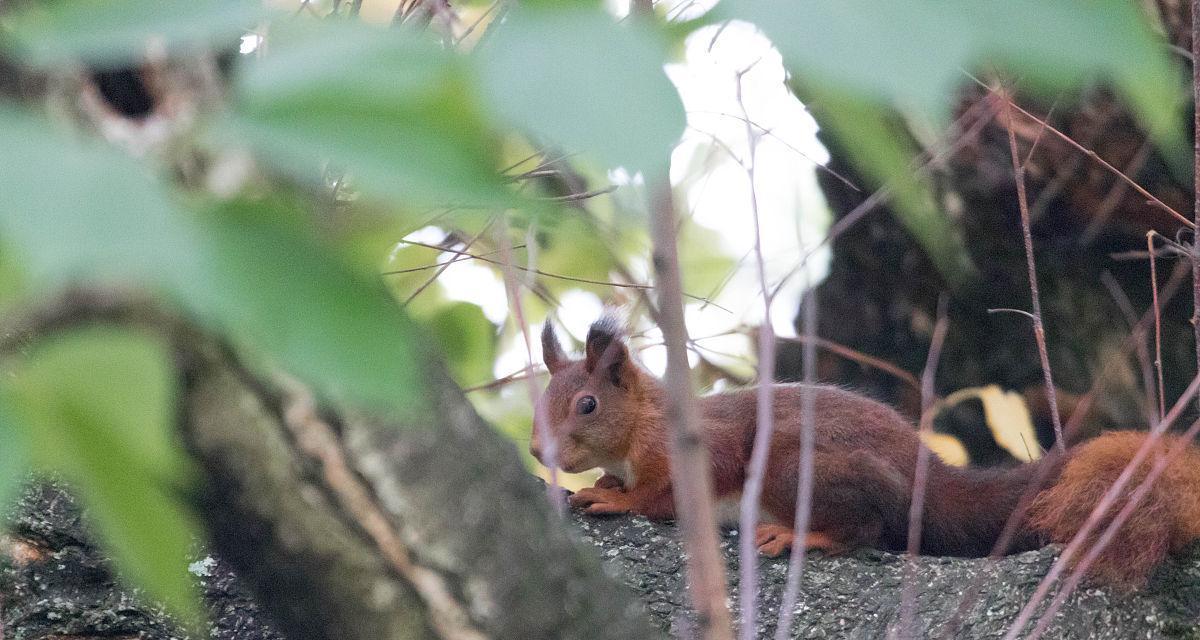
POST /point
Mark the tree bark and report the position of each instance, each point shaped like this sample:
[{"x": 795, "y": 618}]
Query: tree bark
[{"x": 69, "y": 591}]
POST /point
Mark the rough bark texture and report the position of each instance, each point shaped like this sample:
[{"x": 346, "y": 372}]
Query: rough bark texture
[{"x": 70, "y": 592}]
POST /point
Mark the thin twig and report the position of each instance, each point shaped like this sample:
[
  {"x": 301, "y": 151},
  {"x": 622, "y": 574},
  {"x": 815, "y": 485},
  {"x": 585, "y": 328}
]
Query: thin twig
[
  {"x": 556, "y": 276},
  {"x": 690, "y": 472},
  {"x": 804, "y": 483},
  {"x": 1162, "y": 404},
  {"x": 1196, "y": 178},
  {"x": 767, "y": 132},
  {"x": 446, "y": 265},
  {"x": 1039, "y": 330},
  {"x": 916, "y": 510},
  {"x": 553, "y": 491},
  {"x": 576, "y": 197},
  {"x": 857, "y": 356},
  {"x": 764, "y": 418},
  {"x": 984, "y": 109}
]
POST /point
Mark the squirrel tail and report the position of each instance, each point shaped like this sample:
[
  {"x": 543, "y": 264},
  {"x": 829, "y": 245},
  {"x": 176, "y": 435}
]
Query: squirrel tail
[{"x": 1165, "y": 520}]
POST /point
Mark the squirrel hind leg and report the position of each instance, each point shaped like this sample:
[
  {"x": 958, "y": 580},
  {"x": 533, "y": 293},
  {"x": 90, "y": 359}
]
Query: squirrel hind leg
[
  {"x": 853, "y": 496},
  {"x": 773, "y": 539}
]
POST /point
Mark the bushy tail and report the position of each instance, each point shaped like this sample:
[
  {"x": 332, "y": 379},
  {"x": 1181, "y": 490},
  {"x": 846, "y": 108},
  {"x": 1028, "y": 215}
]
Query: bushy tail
[{"x": 1166, "y": 519}]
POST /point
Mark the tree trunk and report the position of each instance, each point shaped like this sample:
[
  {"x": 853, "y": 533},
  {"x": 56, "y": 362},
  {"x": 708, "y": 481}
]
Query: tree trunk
[{"x": 882, "y": 291}]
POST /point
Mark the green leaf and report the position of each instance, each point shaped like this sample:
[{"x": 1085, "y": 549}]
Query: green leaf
[
  {"x": 914, "y": 53},
  {"x": 392, "y": 109},
  {"x": 72, "y": 211},
  {"x": 573, "y": 77},
  {"x": 114, "y": 32},
  {"x": 14, "y": 453},
  {"x": 99, "y": 405},
  {"x": 239, "y": 269},
  {"x": 467, "y": 339},
  {"x": 266, "y": 282},
  {"x": 884, "y": 152}
]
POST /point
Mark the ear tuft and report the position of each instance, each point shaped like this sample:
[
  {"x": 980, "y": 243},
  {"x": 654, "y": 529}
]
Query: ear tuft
[
  {"x": 606, "y": 350},
  {"x": 552, "y": 351},
  {"x": 602, "y": 333}
]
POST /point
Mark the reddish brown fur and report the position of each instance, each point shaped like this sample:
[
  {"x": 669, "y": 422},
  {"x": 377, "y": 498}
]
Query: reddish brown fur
[
  {"x": 1166, "y": 520},
  {"x": 864, "y": 461}
]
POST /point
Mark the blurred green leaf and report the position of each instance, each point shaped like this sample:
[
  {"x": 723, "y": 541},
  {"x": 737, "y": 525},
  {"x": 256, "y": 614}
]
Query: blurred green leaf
[
  {"x": 99, "y": 405},
  {"x": 884, "y": 152},
  {"x": 266, "y": 281},
  {"x": 394, "y": 110},
  {"x": 115, "y": 32},
  {"x": 242, "y": 268},
  {"x": 73, "y": 211},
  {"x": 14, "y": 452},
  {"x": 467, "y": 340},
  {"x": 575, "y": 78},
  {"x": 914, "y": 53}
]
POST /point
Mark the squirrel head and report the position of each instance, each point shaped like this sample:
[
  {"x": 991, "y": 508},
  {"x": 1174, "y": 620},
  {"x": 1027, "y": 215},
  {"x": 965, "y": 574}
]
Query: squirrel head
[{"x": 591, "y": 406}]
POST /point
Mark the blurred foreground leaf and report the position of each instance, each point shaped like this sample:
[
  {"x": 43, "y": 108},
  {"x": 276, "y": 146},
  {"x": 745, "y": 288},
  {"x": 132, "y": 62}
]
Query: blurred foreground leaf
[
  {"x": 72, "y": 210},
  {"x": 14, "y": 452},
  {"x": 913, "y": 54},
  {"x": 266, "y": 281},
  {"x": 98, "y": 406},
  {"x": 116, "y": 32},
  {"x": 575, "y": 78},
  {"x": 393, "y": 109},
  {"x": 468, "y": 341}
]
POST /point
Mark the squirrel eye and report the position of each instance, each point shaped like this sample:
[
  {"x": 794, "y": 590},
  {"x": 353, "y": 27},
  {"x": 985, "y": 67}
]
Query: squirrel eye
[{"x": 586, "y": 404}]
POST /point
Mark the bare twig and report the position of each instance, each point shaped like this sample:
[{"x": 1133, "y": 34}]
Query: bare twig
[
  {"x": 1162, "y": 404},
  {"x": 984, "y": 111},
  {"x": 767, "y": 132},
  {"x": 804, "y": 482},
  {"x": 764, "y": 419},
  {"x": 446, "y": 265},
  {"x": 690, "y": 471},
  {"x": 586, "y": 195},
  {"x": 1039, "y": 330},
  {"x": 556, "y": 276},
  {"x": 856, "y": 356},
  {"x": 1196, "y": 174},
  {"x": 916, "y": 510},
  {"x": 550, "y": 451}
]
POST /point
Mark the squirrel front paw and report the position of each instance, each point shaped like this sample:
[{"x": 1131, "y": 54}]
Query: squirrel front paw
[
  {"x": 597, "y": 500},
  {"x": 609, "y": 481}
]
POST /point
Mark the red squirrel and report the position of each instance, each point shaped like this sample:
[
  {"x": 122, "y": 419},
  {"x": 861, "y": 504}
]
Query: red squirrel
[{"x": 605, "y": 411}]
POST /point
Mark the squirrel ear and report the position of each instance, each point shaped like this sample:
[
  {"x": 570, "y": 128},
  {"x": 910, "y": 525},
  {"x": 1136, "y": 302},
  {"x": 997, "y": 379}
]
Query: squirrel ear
[
  {"x": 606, "y": 351},
  {"x": 552, "y": 351}
]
